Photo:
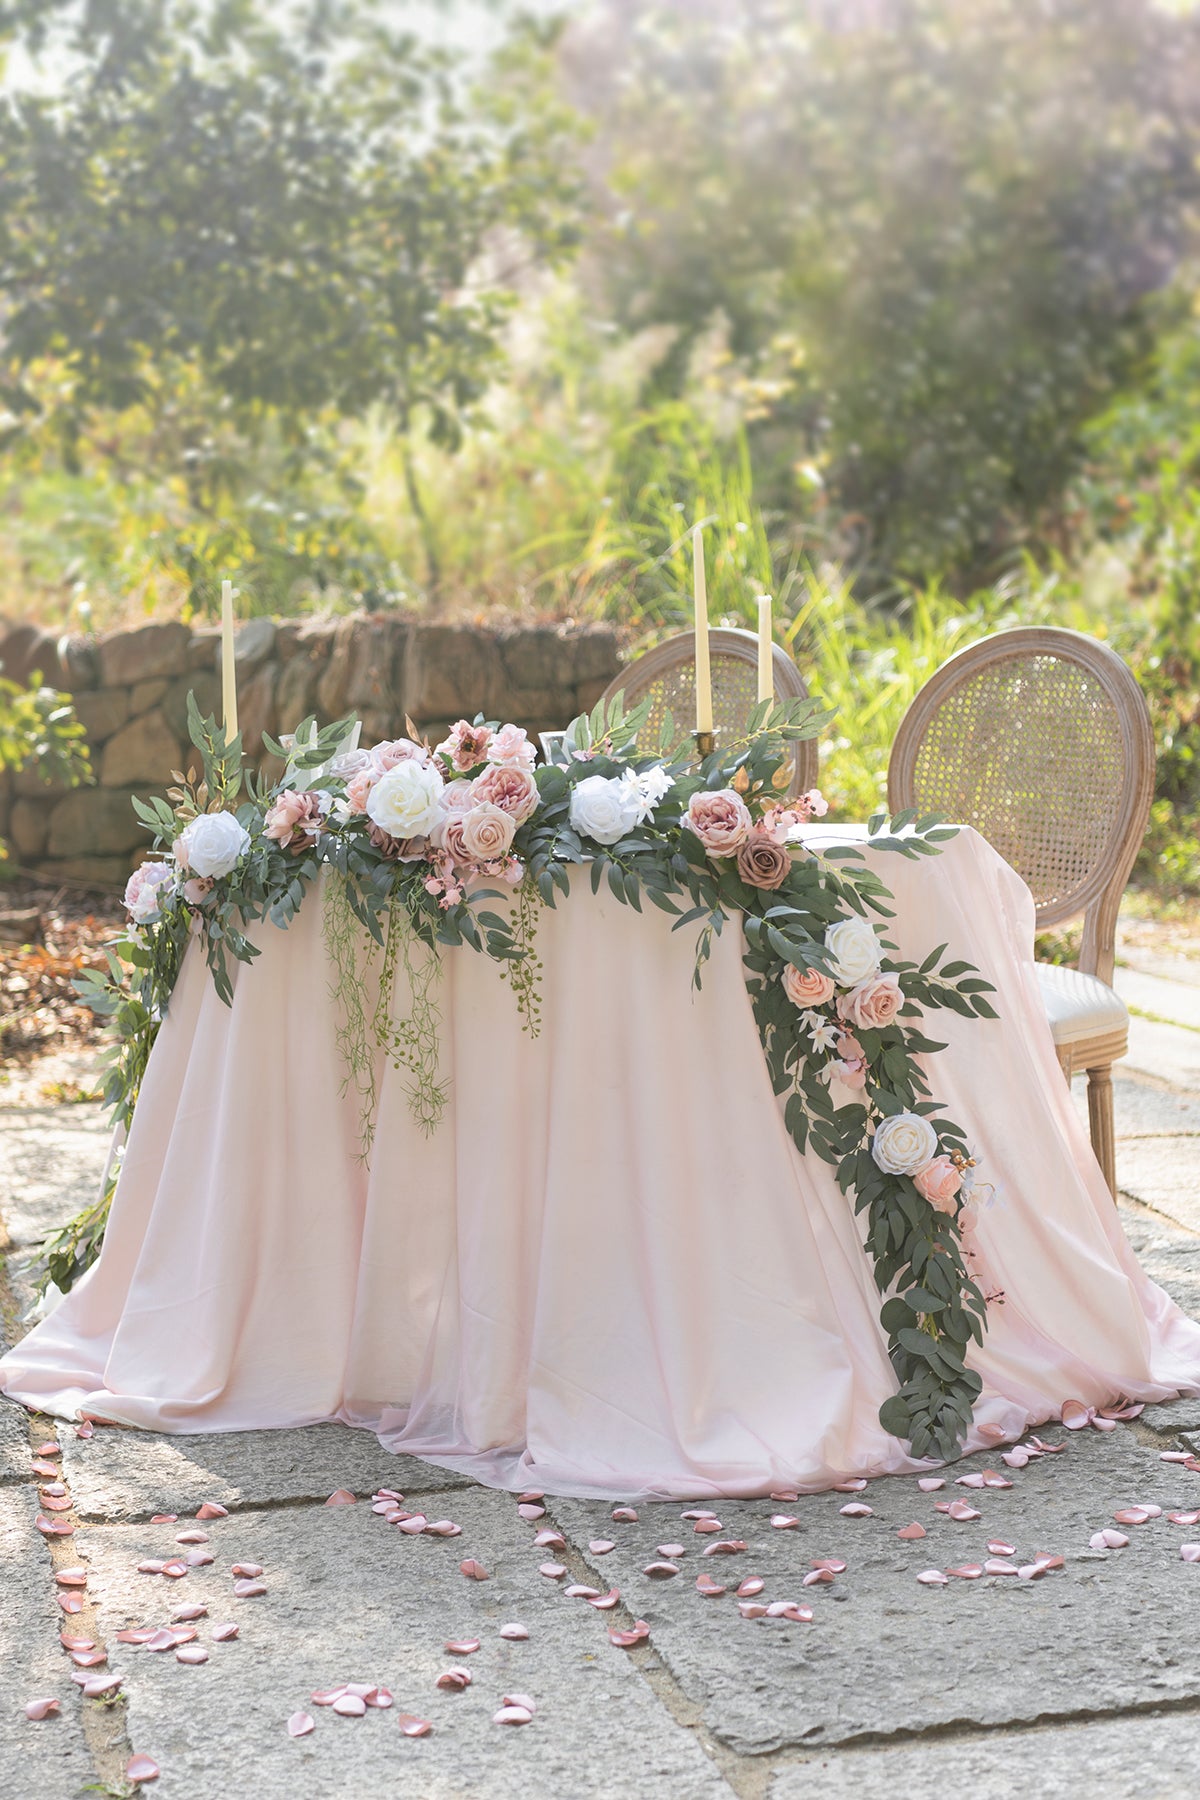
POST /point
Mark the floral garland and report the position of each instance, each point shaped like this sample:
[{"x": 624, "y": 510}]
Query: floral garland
[{"x": 411, "y": 834}]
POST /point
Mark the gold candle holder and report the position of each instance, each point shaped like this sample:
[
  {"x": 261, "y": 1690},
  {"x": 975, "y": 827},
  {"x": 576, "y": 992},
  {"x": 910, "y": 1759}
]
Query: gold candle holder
[{"x": 704, "y": 743}]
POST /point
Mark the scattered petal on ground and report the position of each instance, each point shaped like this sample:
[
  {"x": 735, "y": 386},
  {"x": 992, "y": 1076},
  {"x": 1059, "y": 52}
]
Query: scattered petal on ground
[
  {"x": 514, "y": 1633},
  {"x": 552, "y": 1570},
  {"x": 40, "y": 1709},
  {"x": 911, "y": 1532},
  {"x": 341, "y": 1497},
  {"x": 141, "y": 1768},
  {"x": 929, "y": 1484},
  {"x": 212, "y": 1509},
  {"x": 454, "y": 1680},
  {"x": 223, "y": 1634},
  {"x": 300, "y": 1724},
  {"x": 753, "y": 1584},
  {"x": 474, "y": 1571},
  {"x": 411, "y": 1726},
  {"x": 625, "y": 1640},
  {"x": 932, "y": 1578},
  {"x": 856, "y": 1510},
  {"x": 624, "y": 1515},
  {"x": 462, "y": 1646}
]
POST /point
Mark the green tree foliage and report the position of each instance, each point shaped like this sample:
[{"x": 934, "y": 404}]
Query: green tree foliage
[
  {"x": 931, "y": 226},
  {"x": 289, "y": 224}
]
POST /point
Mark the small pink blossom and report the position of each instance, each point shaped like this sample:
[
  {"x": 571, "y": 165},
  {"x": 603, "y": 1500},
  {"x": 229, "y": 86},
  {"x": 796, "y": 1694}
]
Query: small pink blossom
[
  {"x": 849, "y": 1047},
  {"x": 807, "y": 987},
  {"x": 873, "y": 1003},
  {"x": 466, "y": 746},
  {"x": 852, "y": 1073},
  {"x": 813, "y": 804},
  {"x": 511, "y": 748},
  {"x": 510, "y": 788},
  {"x": 197, "y": 890},
  {"x": 939, "y": 1182},
  {"x": 721, "y": 820}
]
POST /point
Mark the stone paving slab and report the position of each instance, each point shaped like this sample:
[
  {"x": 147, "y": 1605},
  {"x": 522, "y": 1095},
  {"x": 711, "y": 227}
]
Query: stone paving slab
[
  {"x": 1169, "y": 1255},
  {"x": 1151, "y": 1758},
  {"x": 1168, "y": 1052},
  {"x": 14, "y": 1442},
  {"x": 1163, "y": 1173},
  {"x": 884, "y": 1654},
  {"x": 352, "y": 1599},
  {"x": 51, "y": 1161},
  {"x": 1164, "y": 997},
  {"x": 1142, "y": 1109},
  {"x": 135, "y": 1474},
  {"x": 47, "y": 1760}
]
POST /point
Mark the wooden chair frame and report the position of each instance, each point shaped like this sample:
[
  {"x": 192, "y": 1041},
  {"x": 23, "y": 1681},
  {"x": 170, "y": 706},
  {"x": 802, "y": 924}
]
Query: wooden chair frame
[
  {"x": 1095, "y": 892},
  {"x": 729, "y": 645}
]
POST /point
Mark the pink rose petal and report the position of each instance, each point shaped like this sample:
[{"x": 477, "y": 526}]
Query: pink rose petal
[
  {"x": 191, "y": 1537},
  {"x": 601, "y": 1546},
  {"x": 381, "y": 1698},
  {"x": 327, "y": 1696},
  {"x": 706, "y": 1527},
  {"x": 784, "y": 1521},
  {"x": 89, "y": 1659},
  {"x": 932, "y": 1578},
  {"x": 462, "y": 1646},
  {"x": 929, "y": 1484},
  {"x": 443, "y": 1528},
  {"x": 224, "y": 1634},
  {"x": 250, "y": 1570},
  {"x": 249, "y": 1590},
  {"x": 552, "y": 1571},
  {"x": 579, "y": 1590},
  {"x": 512, "y": 1715},
  {"x": 967, "y": 1571},
  {"x": 753, "y": 1584},
  {"x": 624, "y": 1515},
  {"x": 96, "y": 1687},
  {"x": 834, "y": 1564},
  {"x": 1016, "y": 1459},
  {"x": 992, "y": 1479},
  {"x": 53, "y": 1527},
  {"x": 661, "y": 1571},
  {"x": 71, "y": 1641},
  {"x": 413, "y": 1727},
  {"x": 855, "y": 1486},
  {"x": 161, "y": 1640},
  {"x": 199, "y": 1559},
  {"x": 1108, "y": 1540},
  {"x": 341, "y": 1497},
  {"x": 625, "y": 1640},
  {"x": 818, "y": 1578},
  {"x": 187, "y": 1615},
  {"x": 212, "y": 1509},
  {"x": 140, "y": 1634},
  {"x": 474, "y": 1571},
  {"x": 41, "y": 1709},
  {"x": 606, "y": 1602},
  {"x": 141, "y": 1768},
  {"x": 752, "y": 1609},
  {"x": 670, "y": 1551},
  {"x": 1075, "y": 1415},
  {"x": 73, "y": 1578},
  {"x": 708, "y": 1587},
  {"x": 856, "y": 1510},
  {"x": 191, "y": 1653},
  {"x": 175, "y": 1570},
  {"x": 999, "y": 1547},
  {"x": 551, "y": 1540},
  {"x": 1184, "y": 1518},
  {"x": 960, "y": 1510},
  {"x": 529, "y": 1512},
  {"x": 300, "y": 1724},
  {"x": 516, "y": 1634},
  {"x": 1190, "y": 1552},
  {"x": 974, "y": 1480},
  {"x": 413, "y": 1524},
  {"x": 724, "y": 1547},
  {"x": 165, "y": 1519},
  {"x": 70, "y": 1603},
  {"x": 349, "y": 1706},
  {"x": 995, "y": 1434},
  {"x": 50, "y": 1448},
  {"x": 149, "y": 1567},
  {"x": 86, "y": 1430},
  {"x": 910, "y": 1533},
  {"x": 454, "y": 1680},
  {"x": 786, "y": 1495},
  {"x": 997, "y": 1566},
  {"x": 1132, "y": 1515}
]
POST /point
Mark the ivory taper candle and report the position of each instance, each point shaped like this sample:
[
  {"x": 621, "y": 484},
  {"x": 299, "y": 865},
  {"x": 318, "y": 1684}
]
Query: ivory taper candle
[
  {"x": 228, "y": 672},
  {"x": 766, "y": 671},
  {"x": 704, "y": 716}
]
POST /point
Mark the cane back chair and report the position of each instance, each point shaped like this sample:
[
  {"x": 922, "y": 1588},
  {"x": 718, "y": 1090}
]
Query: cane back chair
[
  {"x": 667, "y": 674},
  {"x": 1040, "y": 738}
]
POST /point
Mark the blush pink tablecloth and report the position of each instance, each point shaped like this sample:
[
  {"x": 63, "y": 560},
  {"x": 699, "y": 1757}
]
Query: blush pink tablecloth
[{"x": 608, "y": 1272}]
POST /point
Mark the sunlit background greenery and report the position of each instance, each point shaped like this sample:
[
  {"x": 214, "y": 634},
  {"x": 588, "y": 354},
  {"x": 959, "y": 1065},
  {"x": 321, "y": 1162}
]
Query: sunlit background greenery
[{"x": 474, "y": 308}]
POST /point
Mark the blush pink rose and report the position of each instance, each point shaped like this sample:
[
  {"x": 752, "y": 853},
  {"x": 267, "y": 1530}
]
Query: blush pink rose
[
  {"x": 358, "y": 788},
  {"x": 457, "y": 796},
  {"x": 487, "y": 833},
  {"x": 807, "y": 987},
  {"x": 466, "y": 746},
  {"x": 511, "y": 747},
  {"x": 294, "y": 821},
  {"x": 939, "y": 1181},
  {"x": 721, "y": 820},
  {"x": 872, "y": 1004},
  {"x": 510, "y": 788},
  {"x": 448, "y": 837},
  {"x": 385, "y": 756}
]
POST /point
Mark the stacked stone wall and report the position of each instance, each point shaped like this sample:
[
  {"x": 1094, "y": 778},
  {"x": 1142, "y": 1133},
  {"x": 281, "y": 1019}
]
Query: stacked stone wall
[{"x": 130, "y": 690}]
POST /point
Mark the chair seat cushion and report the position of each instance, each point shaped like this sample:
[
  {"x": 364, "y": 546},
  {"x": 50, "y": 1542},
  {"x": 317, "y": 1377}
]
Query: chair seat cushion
[{"x": 1079, "y": 1006}]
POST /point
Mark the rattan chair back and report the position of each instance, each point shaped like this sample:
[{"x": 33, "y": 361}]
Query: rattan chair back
[
  {"x": 1039, "y": 738},
  {"x": 667, "y": 676}
]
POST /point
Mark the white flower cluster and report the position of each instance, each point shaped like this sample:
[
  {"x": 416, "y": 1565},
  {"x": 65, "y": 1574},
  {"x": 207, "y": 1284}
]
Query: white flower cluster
[{"x": 607, "y": 807}]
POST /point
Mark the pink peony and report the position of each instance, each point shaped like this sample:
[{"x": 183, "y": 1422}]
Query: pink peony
[
  {"x": 939, "y": 1181},
  {"x": 511, "y": 748},
  {"x": 487, "y": 833},
  {"x": 512, "y": 789},
  {"x": 466, "y": 746},
  {"x": 142, "y": 898},
  {"x": 385, "y": 756},
  {"x": 807, "y": 987},
  {"x": 721, "y": 820},
  {"x": 873, "y": 1003},
  {"x": 294, "y": 821},
  {"x": 762, "y": 863},
  {"x": 358, "y": 788}
]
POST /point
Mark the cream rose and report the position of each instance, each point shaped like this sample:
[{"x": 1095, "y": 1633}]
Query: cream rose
[
  {"x": 807, "y": 987},
  {"x": 939, "y": 1181},
  {"x": 873, "y": 1003},
  {"x": 211, "y": 845},
  {"x": 854, "y": 952},
  {"x": 486, "y": 833},
  {"x": 404, "y": 801},
  {"x": 600, "y": 810},
  {"x": 721, "y": 820},
  {"x": 904, "y": 1143}
]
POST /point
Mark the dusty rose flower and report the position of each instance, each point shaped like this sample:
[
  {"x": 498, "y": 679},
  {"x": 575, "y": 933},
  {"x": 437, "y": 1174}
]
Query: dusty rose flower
[
  {"x": 447, "y": 835},
  {"x": 721, "y": 820},
  {"x": 939, "y": 1181},
  {"x": 807, "y": 987},
  {"x": 512, "y": 789},
  {"x": 358, "y": 788},
  {"x": 385, "y": 756},
  {"x": 512, "y": 748},
  {"x": 397, "y": 849},
  {"x": 873, "y": 1003},
  {"x": 762, "y": 863},
  {"x": 294, "y": 821},
  {"x": 487, "y": 833},
  {"x": 466, "y": 746}
]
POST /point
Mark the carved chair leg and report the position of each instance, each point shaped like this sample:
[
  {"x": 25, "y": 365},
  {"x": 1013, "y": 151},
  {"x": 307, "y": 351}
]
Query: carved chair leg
[{"x": 1100, "y": 1119}]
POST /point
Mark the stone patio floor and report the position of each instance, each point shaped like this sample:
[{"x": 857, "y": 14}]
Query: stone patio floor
[{"x": 1086, "y": 1682}]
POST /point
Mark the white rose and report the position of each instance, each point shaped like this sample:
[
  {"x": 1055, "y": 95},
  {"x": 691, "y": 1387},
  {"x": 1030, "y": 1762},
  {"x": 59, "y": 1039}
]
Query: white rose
[
  {"x": 601, "y": 810},
  {"x": 854, "y": 952},
  {"x": 211, "y": 845},
  {"x": 904, "y": 1143},
  {"x": 404, "y": 802}
]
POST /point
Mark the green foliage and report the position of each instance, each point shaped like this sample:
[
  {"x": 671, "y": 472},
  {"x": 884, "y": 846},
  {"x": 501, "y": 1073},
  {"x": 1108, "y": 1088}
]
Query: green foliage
[{"x": 39, "y": 730}]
